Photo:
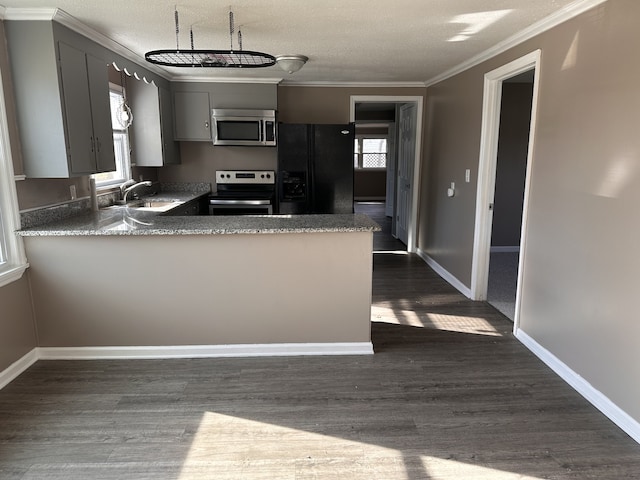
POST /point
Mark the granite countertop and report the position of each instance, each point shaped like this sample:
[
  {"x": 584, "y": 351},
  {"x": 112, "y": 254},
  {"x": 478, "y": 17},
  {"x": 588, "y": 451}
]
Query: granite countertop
[{"x": 135, "y": 221}]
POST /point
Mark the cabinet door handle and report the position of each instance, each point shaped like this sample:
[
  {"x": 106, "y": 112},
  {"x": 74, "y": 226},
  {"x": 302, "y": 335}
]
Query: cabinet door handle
[
  {"x": 206, "y": 124},
  {"x": 91, "y": 141},
  {"x": 98, "y": 144}
]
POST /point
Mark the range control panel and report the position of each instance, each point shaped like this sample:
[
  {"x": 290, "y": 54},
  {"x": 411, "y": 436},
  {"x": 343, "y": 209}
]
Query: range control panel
[{"x": 245, "y": 177}]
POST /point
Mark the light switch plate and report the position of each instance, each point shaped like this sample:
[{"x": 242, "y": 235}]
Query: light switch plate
[{"x": 467, "y": 175}]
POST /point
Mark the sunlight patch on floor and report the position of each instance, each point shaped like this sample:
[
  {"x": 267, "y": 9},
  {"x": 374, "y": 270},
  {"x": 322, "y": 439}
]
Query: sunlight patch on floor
[
  {"x": 227, "y": 447},
  {"x": 443, "y": 469},
  {"x": 451, "y": 323},
  {"x": 456, "y": 323}
]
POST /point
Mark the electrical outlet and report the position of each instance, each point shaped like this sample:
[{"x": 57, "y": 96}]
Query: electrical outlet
[
  {"x": 467, "y": 175},
  {"x": 72, "y": 191}
]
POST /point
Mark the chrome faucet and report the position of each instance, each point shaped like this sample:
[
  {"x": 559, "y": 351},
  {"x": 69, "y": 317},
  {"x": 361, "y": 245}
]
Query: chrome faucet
[
  {"x": 131, "y": 188},
  {"x": 124, "y": 185}
]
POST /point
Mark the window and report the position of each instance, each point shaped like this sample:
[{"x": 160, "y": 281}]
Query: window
[
  {"x": 120, "y": 143},
  {"x": 12, "y": 259},
  {"x": 370, "y": 152}
]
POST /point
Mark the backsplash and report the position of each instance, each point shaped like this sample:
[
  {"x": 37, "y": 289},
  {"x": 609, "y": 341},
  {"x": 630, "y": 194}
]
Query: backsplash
[{"x": 51, "y": 213}]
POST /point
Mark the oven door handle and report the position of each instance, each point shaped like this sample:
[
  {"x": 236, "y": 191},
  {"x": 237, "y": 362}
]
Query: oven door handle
[{"x": 216, "y": 201}]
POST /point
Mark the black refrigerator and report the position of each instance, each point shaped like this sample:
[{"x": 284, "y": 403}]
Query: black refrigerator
[{"x": 315, "y": 168}]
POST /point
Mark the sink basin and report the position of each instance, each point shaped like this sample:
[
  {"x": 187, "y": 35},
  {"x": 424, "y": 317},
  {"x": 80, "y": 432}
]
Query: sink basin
[
  {"x": 155, "y": 205},
  {"x": 148, "y": 205}
]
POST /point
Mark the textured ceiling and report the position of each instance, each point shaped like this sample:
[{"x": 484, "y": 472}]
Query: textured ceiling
[{"x": 360, "y": 41}]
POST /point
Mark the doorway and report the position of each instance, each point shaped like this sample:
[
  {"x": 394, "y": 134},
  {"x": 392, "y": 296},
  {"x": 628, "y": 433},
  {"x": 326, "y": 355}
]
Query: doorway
[
  {"x": 503, "y": 179},
  {"x": 361, "y": 106},
  {"x": 511, "y": 169}
]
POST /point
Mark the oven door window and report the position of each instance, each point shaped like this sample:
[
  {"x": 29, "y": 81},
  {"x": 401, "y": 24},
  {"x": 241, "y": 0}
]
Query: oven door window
[{"x": 238, "y": 130}]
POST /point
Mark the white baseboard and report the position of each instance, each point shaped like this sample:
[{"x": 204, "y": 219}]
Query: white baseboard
[
  {"x": 205, "y": 351},
  {"x": 16, "y": 368},
  {"x": 584, "y": 388},
  {"x": 505, "y": 249},
  {"x": 444, "y": 273},
  {"x": 181, "y": 351}
]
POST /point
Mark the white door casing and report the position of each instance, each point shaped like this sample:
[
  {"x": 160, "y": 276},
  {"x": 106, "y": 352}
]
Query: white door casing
[
  {"x": 392, "y": 161},
  {"x": 487, "y": 173},
  {"x": 404, "y": 187},
  {"x": 418, "y": 101}
]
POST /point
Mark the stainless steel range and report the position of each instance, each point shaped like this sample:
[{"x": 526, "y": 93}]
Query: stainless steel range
[{"x": 243, "y": 192}]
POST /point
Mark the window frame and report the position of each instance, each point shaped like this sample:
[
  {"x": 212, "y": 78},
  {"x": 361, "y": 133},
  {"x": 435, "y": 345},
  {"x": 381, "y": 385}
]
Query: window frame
[
  {"x": 126, "y": 162},
  {"x": 13, "y": 261},
  {"x": 358, "y": 139}
]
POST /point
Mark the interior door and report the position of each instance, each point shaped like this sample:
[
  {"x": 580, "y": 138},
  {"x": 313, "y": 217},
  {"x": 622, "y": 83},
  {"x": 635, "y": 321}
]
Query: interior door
[
  {"x": 391, "y": 171},
  {"x": 406, "y": 152}
]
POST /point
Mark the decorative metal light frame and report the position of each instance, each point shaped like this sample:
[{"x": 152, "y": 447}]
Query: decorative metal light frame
[{"x": 210, "y": 58}]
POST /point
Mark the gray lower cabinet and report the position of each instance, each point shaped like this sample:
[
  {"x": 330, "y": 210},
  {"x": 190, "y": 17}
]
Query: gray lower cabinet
[
  {"x": 62, "y": 103},
  {"x": 192, "y": 116},
  {"x": 193, "y": 207},
  {"x": 151, "y": 133}
]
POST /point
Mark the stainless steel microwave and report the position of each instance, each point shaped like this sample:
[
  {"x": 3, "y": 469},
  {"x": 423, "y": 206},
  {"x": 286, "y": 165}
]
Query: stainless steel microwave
[{"x": 244, "y": 127}]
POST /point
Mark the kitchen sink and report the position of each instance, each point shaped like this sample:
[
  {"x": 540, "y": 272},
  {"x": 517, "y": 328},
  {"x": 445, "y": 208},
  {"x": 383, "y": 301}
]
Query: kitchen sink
[
  {"x": 148, "y": 205},
  {"x": 155, "y": 205}
]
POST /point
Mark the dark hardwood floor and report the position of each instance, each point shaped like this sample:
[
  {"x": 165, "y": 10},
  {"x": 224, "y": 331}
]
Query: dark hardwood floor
[{"x": 449, "y": 394}]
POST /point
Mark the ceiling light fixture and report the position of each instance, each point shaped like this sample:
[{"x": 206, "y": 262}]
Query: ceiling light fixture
[
  {"x": 291, "y": 63},
  {"x": 210, "y": 58}
]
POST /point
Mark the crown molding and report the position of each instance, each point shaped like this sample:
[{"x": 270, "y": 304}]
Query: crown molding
[
  {"x": 287, "y": 83},
  {"x": 20, "y": 13},
  {"x": 566, "y": 13},
  {"x": 63, "y": 18}
]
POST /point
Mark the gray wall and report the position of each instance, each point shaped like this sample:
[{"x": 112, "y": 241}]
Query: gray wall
[
  {"x": 299, "y": 104},
  {"x": 369, "y": 184},
  {"x": 17, "y": 331},
  {"x": 580, "y": 267},
  {"x": 200, "y": 160}
]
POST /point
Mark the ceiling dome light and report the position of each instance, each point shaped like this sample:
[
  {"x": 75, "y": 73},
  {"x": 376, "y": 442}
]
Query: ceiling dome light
[{"x": 291, "y": 63}]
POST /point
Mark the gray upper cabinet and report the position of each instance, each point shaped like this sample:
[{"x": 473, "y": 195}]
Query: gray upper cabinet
[
  {"x": 62, "y": 100},
  {"x": 193, "y": 102},
  {"x": 151, "y": 132},
  {"x": 192, "y": 116},
  {"x": 85, "y": 87}
]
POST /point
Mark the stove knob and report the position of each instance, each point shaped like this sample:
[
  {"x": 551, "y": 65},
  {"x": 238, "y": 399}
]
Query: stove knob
[
  {"x": 262, "y": 176},
  {"x": 268, "y": 175}
]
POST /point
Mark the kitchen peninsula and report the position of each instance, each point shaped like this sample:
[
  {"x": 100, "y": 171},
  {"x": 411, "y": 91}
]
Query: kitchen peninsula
[{"x": 125, "y": 282}]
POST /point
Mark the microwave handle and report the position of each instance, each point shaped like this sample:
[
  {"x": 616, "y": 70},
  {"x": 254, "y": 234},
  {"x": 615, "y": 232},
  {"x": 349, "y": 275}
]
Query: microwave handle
[{"x": 263, "y": 126}]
